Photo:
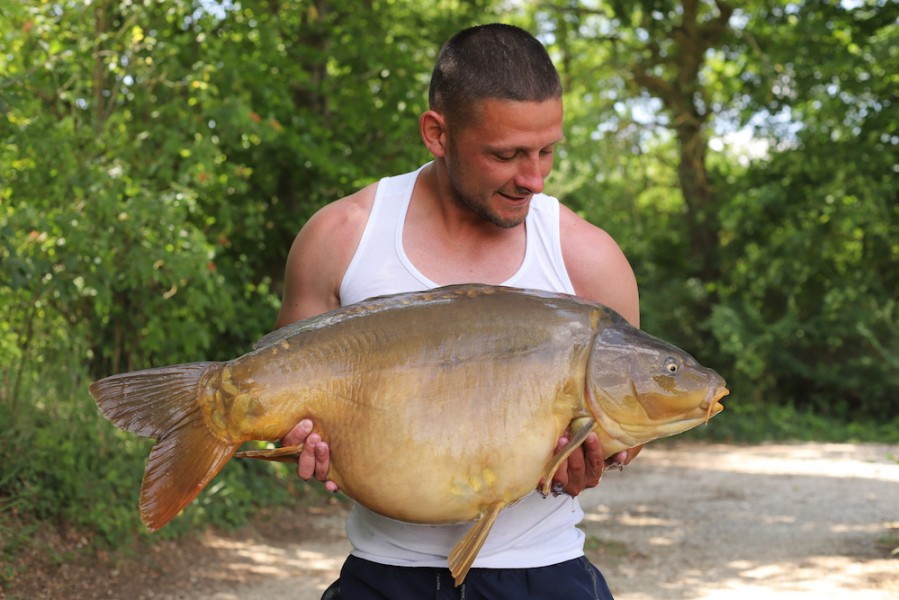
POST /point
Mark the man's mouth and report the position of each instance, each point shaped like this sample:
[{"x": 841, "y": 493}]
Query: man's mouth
[{"x": 515, "y": 198}]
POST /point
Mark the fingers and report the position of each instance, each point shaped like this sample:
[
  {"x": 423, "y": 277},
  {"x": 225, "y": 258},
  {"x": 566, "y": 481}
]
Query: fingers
[
  {"x": 575, "y": 469},
  {"x": 315, "y": 459},
  {"x": 594, "y": 464},
  {"x": 623, "y": 458},
  {"x": 571, "y": 476},
  {"x": 299, "y": 433},
  {"x": 306, "y": 467},
  {"x": 583, "y": 468},
  {"x": 632, "y": 453},
  {"x": 560, "y": 477},
  {"x": 322, "y": 460}
]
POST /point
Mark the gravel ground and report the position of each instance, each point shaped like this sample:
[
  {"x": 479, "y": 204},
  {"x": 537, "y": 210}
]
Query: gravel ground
[{"x": 682, "y": 522}]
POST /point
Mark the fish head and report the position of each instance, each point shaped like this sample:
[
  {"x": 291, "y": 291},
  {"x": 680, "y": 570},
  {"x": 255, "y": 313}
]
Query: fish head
[{"x": 641, "y": 388}]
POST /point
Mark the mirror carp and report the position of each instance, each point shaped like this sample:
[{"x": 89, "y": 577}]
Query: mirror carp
[{"x": 473, "y": 385}]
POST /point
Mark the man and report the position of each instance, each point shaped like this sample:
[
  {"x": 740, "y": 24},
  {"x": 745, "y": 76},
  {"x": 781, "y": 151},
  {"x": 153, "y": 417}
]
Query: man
[{"x": 474, "y": 214}]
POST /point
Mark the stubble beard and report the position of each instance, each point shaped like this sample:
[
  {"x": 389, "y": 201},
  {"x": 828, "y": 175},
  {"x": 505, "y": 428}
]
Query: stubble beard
[{"x": 481, "y": 208}]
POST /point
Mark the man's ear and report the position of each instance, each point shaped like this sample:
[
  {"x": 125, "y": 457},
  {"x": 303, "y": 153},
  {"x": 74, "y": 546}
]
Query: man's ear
[{"x": 432, "y": 127}]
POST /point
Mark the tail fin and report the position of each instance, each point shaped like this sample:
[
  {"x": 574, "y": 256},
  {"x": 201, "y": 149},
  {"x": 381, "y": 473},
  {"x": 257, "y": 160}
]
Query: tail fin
[{"x": 165, "y": 404}]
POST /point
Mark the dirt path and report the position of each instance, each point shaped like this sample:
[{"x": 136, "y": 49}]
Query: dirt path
[{"x": 690, "y": 522}]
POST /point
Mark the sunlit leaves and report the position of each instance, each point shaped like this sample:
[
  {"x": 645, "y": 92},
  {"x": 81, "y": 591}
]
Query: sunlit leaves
[
  {"x": 156, "y": 159},
  {"x": 805, "y": 93},
  {"x": 813, "y": 230}
]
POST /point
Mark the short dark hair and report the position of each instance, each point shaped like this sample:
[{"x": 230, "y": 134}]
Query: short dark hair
[{"x": 495, "y": 61}]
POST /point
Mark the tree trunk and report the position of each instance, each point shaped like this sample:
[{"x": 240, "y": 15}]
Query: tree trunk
[{"x": 672, "y": 75}]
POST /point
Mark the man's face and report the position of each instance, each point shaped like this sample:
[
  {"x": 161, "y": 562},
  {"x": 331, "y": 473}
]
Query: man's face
[{"x": 499, "y": 160}]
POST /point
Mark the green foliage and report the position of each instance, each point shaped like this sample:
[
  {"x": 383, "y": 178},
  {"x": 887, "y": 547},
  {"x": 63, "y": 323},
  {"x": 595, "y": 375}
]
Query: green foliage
[
  {"x": 808, "y": 304},
  {"x": 155, "y": 162},
  {"x": 157, "y": 158},
  {"x": 802, "y": 312},
  {"x": 62, "y": 462},
  {"x": 755, "y": 422},
  {"x": 808, "y": 301}
]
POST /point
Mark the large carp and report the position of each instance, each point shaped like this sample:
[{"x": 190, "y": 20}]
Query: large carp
[{"x": 472, "y": 384}]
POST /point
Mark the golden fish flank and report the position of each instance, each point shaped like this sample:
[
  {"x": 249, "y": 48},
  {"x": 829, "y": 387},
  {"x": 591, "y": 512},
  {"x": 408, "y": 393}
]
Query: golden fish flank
[{"x": 482, "y": 380}]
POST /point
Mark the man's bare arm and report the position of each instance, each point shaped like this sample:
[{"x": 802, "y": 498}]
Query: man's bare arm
[
  {"x": 599, "y": 272},
  {"x": 318, "y": 258}
]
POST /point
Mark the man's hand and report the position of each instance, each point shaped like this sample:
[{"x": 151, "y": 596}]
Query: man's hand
[
  {"x": 585, "y": 466},
  {"x": 315, "y": 460}
]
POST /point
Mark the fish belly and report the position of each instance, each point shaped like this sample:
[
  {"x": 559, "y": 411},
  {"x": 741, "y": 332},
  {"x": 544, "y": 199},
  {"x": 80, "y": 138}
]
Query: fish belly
[{"x": 430, "y": 419}]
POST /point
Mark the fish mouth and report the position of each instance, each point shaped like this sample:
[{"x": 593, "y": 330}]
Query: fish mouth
[{"x": 712, "y": 404}]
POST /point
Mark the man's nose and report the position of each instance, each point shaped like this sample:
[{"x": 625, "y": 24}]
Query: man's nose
[{"x": 531, "y": 175}]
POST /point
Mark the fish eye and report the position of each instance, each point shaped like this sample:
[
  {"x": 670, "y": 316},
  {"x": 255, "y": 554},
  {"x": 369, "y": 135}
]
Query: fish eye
[{"x": 671, "y": 365}]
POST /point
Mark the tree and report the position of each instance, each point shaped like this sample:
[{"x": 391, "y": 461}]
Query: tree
[
  {"x": 810, "y": 288},
  {"x": 156, "y": 159},
  {"x": 780, "y": 271},
  {"x": 659, "y": 50},
  {"x": 186, "y": 146}
]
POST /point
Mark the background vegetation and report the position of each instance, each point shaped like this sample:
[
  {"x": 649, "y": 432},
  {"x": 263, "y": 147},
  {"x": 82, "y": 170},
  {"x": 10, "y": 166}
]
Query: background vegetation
[{"x": 157, "y": 158}]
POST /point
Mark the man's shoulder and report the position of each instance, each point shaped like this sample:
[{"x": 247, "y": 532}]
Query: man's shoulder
[
  {"x": 577, "y": 230},
  {"x": 333, "y": 232},
  {"x": 347, "y": 215},
  {"x": 320, "y": 254},
  {"x": 597, "y": 266}
]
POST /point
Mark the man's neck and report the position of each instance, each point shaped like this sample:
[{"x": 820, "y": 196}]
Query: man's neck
[{"x": 449, "y": 243}]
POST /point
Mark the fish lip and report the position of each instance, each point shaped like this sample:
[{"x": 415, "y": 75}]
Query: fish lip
[
  {"x": 712, "y": 404},
  {"x": 714, "y": 396},
  {"x": 720, "y": 393}
]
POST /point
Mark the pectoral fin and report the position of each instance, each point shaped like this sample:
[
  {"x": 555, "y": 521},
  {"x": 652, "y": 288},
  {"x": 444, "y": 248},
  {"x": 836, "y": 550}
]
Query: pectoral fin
[
  {"x": 464, "y": 552},
  {"x": 283, "y": 454},
  {"x": 580, "y": 429}
]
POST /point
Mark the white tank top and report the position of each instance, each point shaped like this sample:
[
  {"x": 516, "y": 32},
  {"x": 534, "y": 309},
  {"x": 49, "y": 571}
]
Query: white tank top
[{"x": 534, "y": 532}]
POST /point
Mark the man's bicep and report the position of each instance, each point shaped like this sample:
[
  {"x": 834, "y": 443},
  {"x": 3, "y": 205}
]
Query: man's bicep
[
  {"x": 309, "y": 287},
  {"x": 618, "y": 289},
  {"x": 320, "y": 255},
  {"x": 598, "y": 268}
]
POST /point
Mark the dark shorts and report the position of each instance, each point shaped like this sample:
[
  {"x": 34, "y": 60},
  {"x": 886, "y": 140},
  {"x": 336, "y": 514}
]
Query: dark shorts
[{"x": 575, "y": 579}]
